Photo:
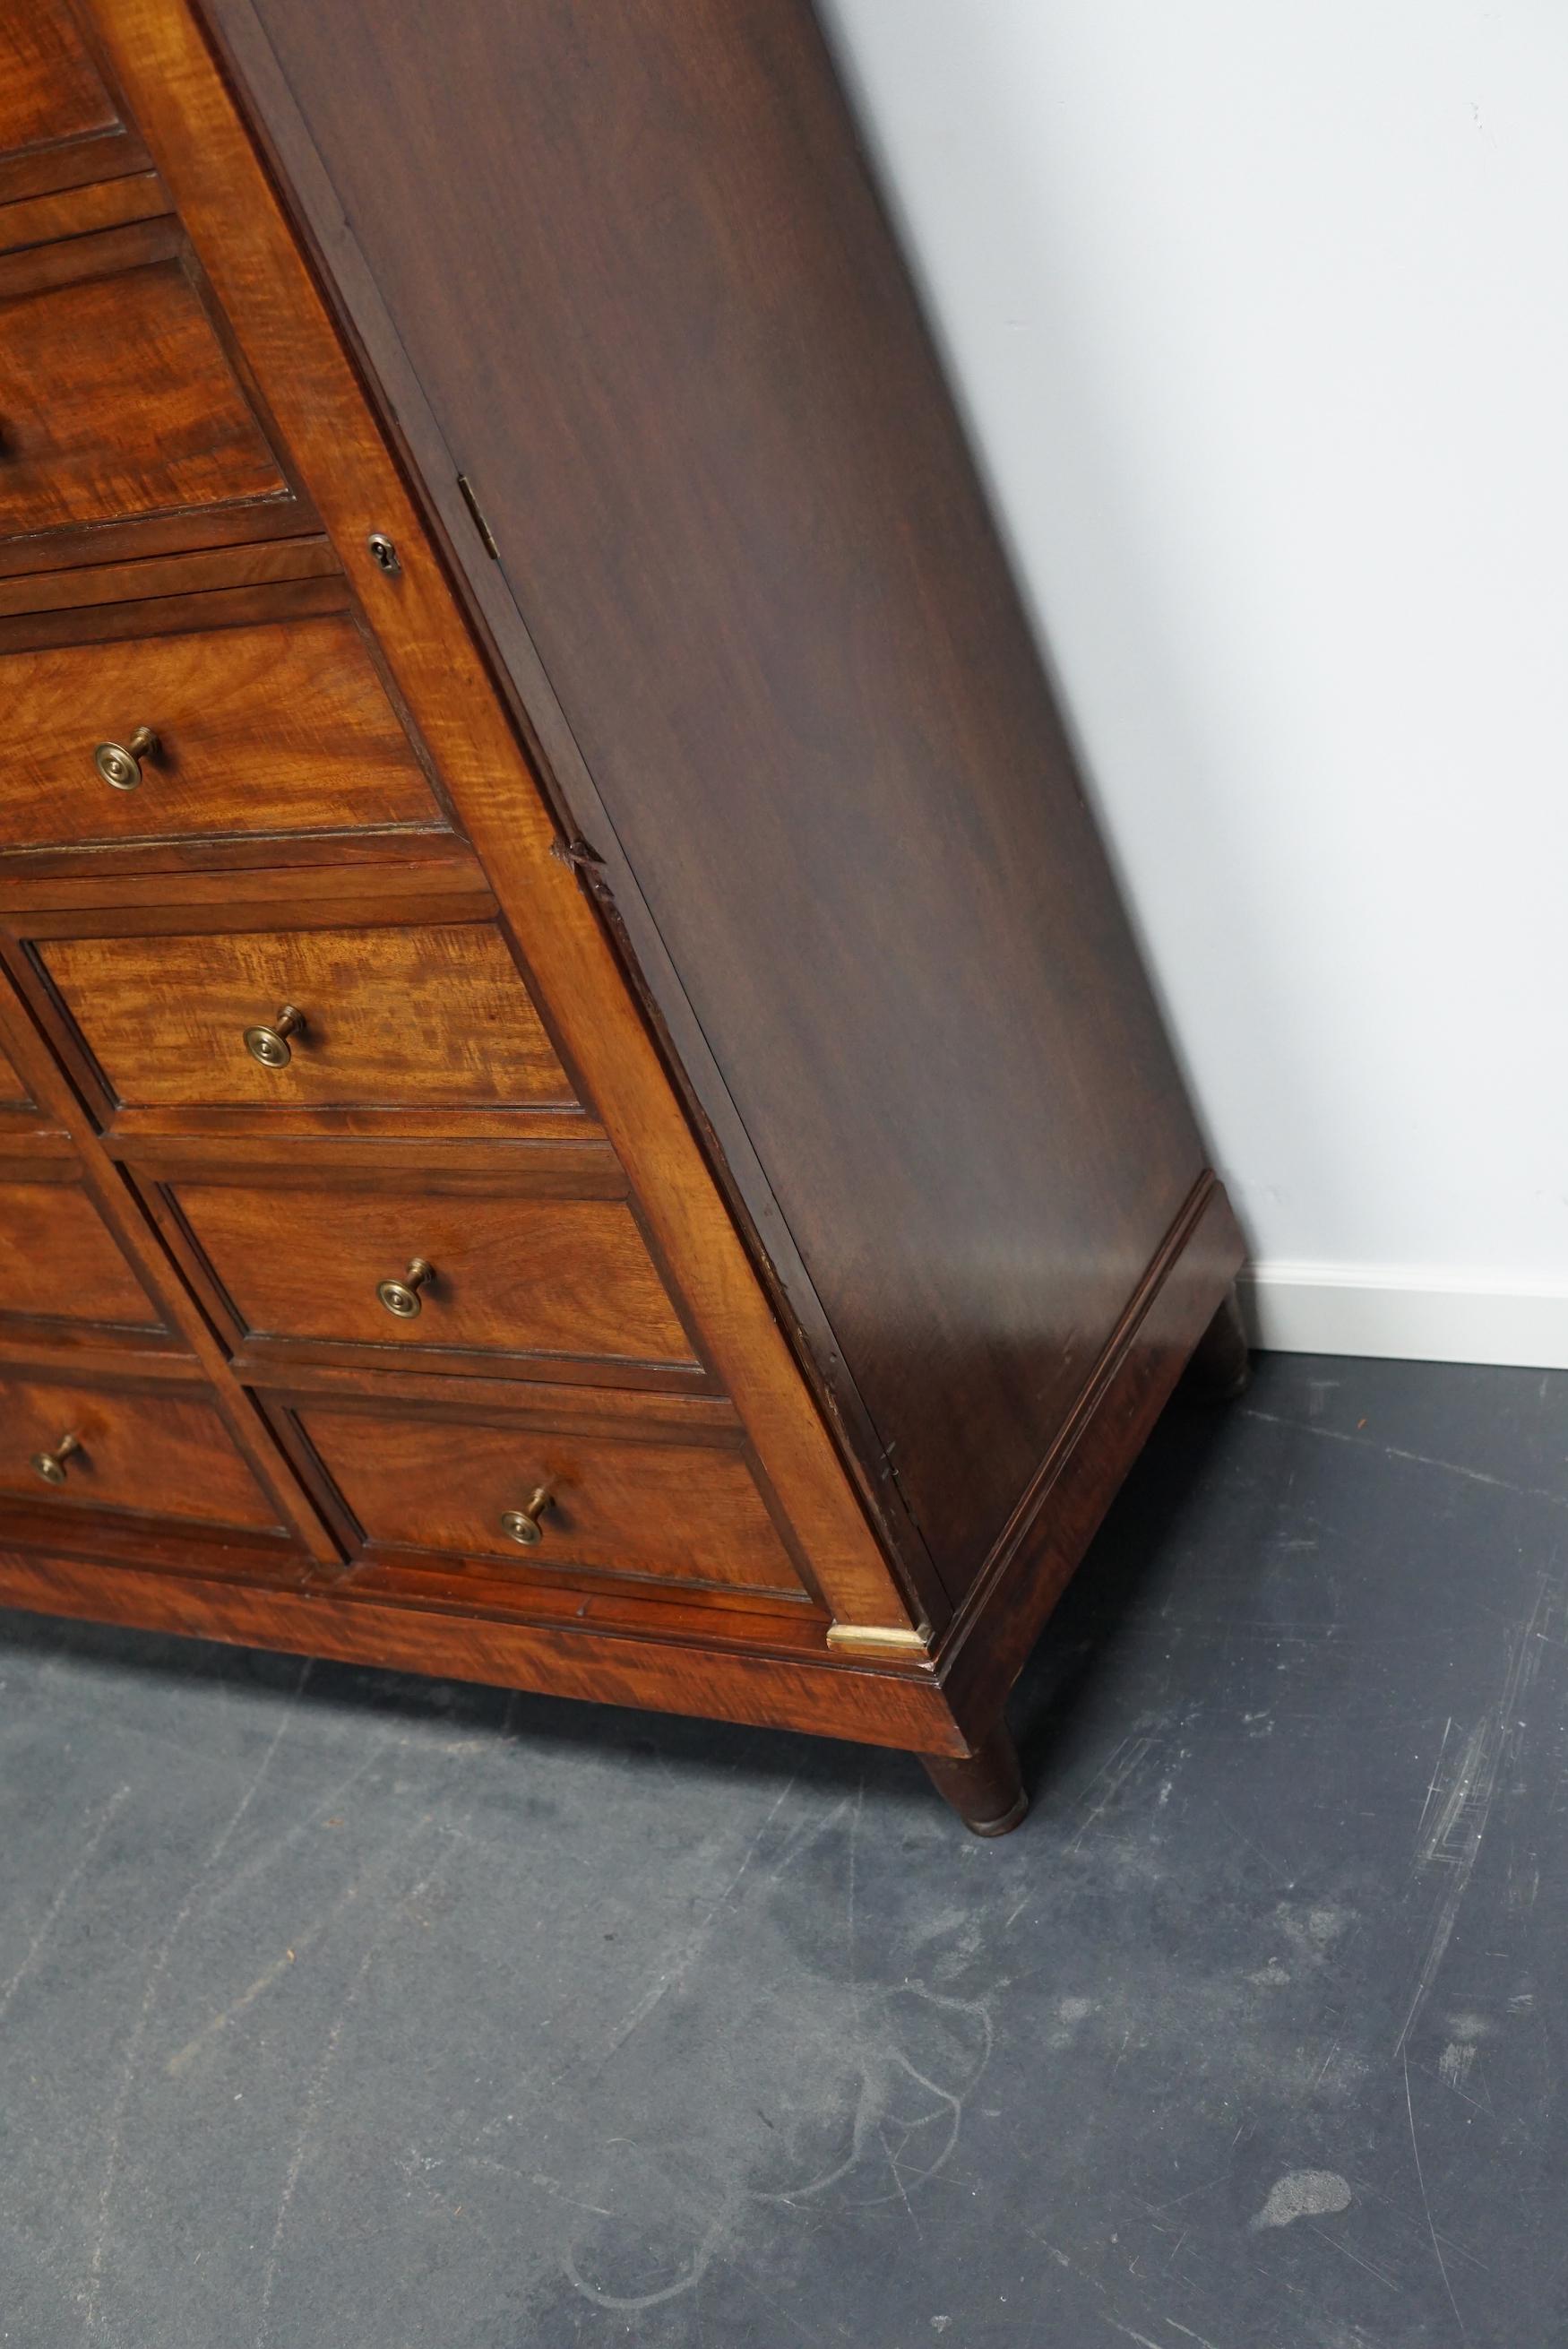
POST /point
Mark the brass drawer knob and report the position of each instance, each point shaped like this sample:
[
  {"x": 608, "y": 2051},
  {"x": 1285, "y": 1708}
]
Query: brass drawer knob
[
  {"x": 51, "y": 1465},
  {"x": 119, "y": 763},
  {"x": 523, "y": 1525},
  {"x": 401, "y": 1298},
  {"x": 271, "y": 1045}
]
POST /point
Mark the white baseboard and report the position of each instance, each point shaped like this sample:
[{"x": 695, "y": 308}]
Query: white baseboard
[{"x": 1417, "y": 1313}]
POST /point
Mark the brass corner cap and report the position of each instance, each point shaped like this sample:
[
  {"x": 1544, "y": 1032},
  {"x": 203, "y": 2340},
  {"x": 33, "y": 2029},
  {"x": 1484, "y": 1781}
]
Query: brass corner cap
[{"x": 881, "y": 1639}]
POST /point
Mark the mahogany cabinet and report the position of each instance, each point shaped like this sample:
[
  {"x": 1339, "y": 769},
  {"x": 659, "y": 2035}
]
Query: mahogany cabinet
[{"x": 577, "y": 1105}]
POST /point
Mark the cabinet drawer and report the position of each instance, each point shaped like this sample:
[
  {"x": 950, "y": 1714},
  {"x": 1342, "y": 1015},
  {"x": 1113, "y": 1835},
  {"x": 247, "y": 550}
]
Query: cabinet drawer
[
  {"x": 58, "y": 125},
  {"x": 690, "y": 1513},
  {"x": 280, "y": 728},
  {"x": 127, "y": 428},
  {"x": 548, "y": 1278},
  {"x": 58, "y": 1260},
  {"x": 429, "y": 1017},
  {"x": 160, "y": 1455}
]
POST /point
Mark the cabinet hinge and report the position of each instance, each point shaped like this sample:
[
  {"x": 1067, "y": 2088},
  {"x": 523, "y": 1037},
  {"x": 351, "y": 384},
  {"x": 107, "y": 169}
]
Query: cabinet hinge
[{"x": 483, "y": 528}]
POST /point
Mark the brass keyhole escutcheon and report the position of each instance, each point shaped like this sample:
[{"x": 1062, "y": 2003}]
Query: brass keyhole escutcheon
[
  {"x": 119, "y": 763},
  {"x": 401, "y": 1298},
  {"x": 270, "y": 1046},
  {"x": 523, "y": 1525},
  {"x": 51, "y": 1465}
]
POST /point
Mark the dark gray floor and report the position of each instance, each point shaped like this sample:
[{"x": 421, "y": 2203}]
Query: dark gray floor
[{"x": 348, "y": 2009}]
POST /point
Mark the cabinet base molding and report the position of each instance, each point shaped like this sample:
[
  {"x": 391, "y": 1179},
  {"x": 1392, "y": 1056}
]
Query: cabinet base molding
[{"x": 759, "y": 1687}]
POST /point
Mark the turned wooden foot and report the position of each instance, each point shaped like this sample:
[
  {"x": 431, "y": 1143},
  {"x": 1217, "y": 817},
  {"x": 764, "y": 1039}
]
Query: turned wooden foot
[
  {"x": 985, "y": 1789},
  {"x": 1222, "y": 1364}
]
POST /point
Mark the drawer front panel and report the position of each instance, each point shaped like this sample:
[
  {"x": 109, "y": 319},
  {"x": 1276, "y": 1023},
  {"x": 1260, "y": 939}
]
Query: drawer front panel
[
  {"x": 432, "y": 1017},
  {"x": 281, "y": 727},
  {"x": 161, "y": 1455},
  {"x": 57, "y": 1261},
  {"x": 667, "y": 1511},
  {"x": 49, "y": 92},
  {"x": 119, "y": 407},
  {"x": 547, "y": 1277}
]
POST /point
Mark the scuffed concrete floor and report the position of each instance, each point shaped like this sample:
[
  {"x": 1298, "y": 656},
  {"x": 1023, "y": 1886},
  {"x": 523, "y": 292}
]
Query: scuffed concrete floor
[{"x": 342, "y": 2009}]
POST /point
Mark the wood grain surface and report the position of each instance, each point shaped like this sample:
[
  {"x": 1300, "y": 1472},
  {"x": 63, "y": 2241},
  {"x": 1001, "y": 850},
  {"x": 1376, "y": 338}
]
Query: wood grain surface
[
  {"x": 117, "y": 403},
  {"x": 57, "y": 1262},
  {"x": 49, "y": 89},
  {"x": 12, "y": 1088}
]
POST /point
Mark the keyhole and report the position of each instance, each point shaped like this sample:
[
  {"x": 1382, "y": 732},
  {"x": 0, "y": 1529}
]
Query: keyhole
[{"x": 383, "y": 552}]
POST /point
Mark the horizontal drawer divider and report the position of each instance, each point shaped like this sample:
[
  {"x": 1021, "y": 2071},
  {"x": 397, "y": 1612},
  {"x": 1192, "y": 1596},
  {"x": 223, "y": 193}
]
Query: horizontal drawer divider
[
  {"x": 481, "y": 1586},
  {"x": 622, "y": 1412},
  {"x": 117, "y": 1538},
  {"x": 142, "y": 1133},
  {"x": 66, "y": 1350},
  {"x": 84, "y": 590},
  {"x": 82, "y": 211},
  {"x": 311, "y": 591},
  {"x": 525, "y": 1168},
  {"x": 262, "y": 1359},
  {"x": 171, "y": 860},
  {"x": 445, "y": 890}
]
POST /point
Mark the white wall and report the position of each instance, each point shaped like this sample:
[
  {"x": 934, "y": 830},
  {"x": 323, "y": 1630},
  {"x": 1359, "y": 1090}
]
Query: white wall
[{"x": 1259, "y": 311}]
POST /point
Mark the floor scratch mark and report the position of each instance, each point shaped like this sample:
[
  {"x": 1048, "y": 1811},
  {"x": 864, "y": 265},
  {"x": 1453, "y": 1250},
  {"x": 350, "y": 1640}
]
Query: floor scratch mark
[
  {"x": 264, "y": 1765},
  {"x": 1141, "y": 2338},
  {"x": 1437, "y": 1770},
  {"x": 183, "y": 2057},
  {"x": 156, "y": 1972},
  {"x": 1426, "y": 2205},
  {"x": 1323, "y": 2235},
  {"x": 633, "y": 2302},
  {"x": 1114, "y": 1780},
  {"x": 1454, "y": 1837},
  {"x": 1415, "y": 1459},
  {"x": 674, "y": 1975},
  {"x": 34, "y": 1948},
  {"x": 316, "y": 2090}
]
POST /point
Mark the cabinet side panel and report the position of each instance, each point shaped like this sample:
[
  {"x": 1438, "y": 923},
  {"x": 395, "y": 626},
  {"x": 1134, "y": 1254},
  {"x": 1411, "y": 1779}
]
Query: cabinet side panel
[{"x": 635, "y": 258}]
